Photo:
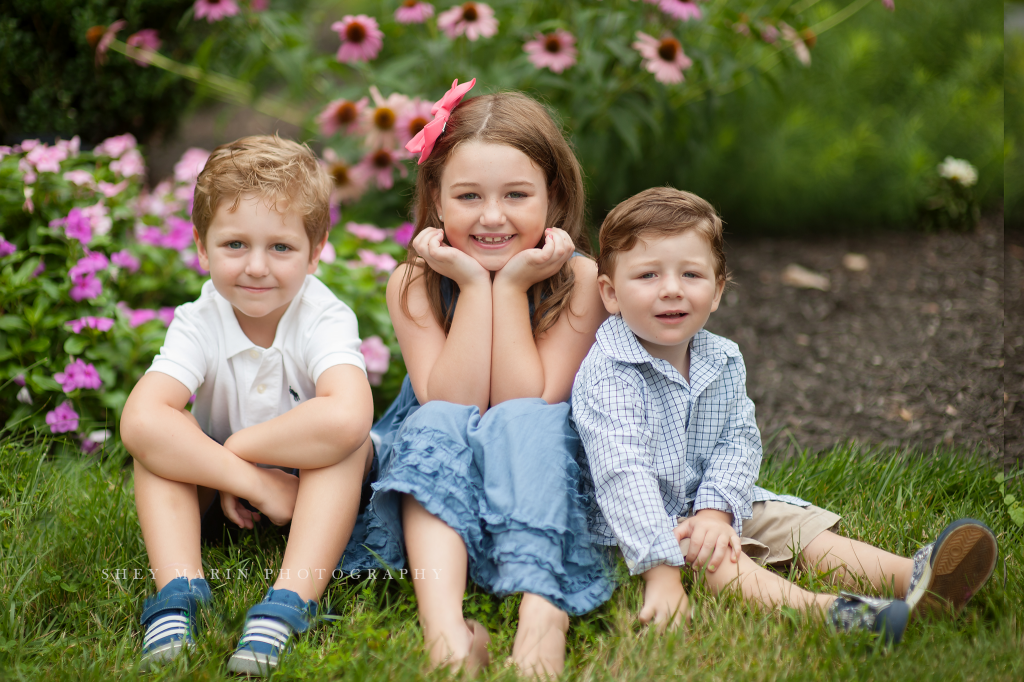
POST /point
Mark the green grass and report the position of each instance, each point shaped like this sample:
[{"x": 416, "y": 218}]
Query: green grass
[{"x": 65, "y": 518}]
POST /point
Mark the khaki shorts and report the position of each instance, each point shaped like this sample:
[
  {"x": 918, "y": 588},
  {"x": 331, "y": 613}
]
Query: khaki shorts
[{"x": 778, "y": 530}]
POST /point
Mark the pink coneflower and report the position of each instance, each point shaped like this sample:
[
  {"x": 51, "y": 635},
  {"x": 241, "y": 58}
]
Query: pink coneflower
[
  {"x": 412, "y": 119},
  {"x": 215, "y": 10},
  {"x": 379, "y": 122},
  {"x": 555, "y": 51},
  {"x": 102, "y": 37},
  {"x": 341, "y": 114},
  {"x": 348, "y": 186},
  {"x": 370, "y": 233},
  {"x": 380, "y": 166},
  {"x": 664, "y": 58},
  {"x": 146, "y": 40},
  {"x": 679, "y": 9},
  {"x": 473, "y": 19},
  {"x": 413, "y": 12},
  {"x": 62, "y": 419},
  {"x": 361, "y": 39}
]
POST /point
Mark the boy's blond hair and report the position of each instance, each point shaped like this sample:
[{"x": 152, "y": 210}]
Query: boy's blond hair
[
  {"x": 660, "y": 211},
  {"x": 274, "y": 170}
]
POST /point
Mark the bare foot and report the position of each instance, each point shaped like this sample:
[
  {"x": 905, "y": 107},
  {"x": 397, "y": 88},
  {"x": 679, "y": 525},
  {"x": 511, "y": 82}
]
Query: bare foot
[
  {"x": 277, "y": 499},
  {"x": 462, "y": 647},
  {"x": 539, "y": 649}
]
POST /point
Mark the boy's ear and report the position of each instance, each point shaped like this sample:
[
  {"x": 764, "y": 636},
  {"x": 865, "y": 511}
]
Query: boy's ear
[
  {"x": 719, "y": 289},
  {"x": 314, "y": 255},
  {"x": 608, "y": 297},
  {"x": 204, "y": 257}
]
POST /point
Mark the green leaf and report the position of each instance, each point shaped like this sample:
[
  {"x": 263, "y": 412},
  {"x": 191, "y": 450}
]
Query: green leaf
[
  {"x": 1017, "y": 516},
  {"x": 68, "y": 588},
  {"x": 75, "y": 345},
  {"x": 1000, "y": 477},
  {"x": 1010, "y": 500},
  {"x": 10, "y": 323}
]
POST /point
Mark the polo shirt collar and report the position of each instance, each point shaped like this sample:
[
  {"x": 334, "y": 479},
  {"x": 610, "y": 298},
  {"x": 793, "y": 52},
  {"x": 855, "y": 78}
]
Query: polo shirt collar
[
  {"x": 235, "y": 340},
  {"x": 708, "y": 354}
]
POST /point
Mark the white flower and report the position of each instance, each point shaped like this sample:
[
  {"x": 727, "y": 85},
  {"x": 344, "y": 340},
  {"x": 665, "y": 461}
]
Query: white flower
[
  {"x": 24, "y": 396},
  {"x": 100, "y": 436},
  {"x": 959, "y": 170}
]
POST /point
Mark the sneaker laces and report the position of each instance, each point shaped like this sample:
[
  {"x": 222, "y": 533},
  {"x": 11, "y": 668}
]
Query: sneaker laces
[
  {"x": 173, "y": 624},
  {"x": 267, "y": 631}
]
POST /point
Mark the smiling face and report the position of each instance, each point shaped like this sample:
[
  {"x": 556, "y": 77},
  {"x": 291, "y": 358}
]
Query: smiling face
[
  {"x": 258, "y": 259},
  {"x": 665, "y": 288},
  {"x": 494, "y": 200}
]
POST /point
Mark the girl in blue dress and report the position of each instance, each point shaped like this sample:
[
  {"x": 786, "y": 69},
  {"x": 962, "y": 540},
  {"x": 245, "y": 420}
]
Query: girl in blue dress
[{"x": 494, "y": 314}]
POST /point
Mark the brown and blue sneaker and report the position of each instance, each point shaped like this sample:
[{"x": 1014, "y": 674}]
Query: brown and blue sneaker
[
  {"x": 887, "y": 617},
  {"x": 951, "y": 570}
]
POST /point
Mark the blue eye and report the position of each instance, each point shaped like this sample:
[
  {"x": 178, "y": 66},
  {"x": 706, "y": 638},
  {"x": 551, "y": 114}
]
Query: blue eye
[
  {"x": 691, "y": 274},
  {"x": 281, "y": 248},
  {"x": 469, "y": 195},
  {"x": 647, "y": 275},
  {"x": 517, "y": 195},
  {"x": 234, "y": 245}
]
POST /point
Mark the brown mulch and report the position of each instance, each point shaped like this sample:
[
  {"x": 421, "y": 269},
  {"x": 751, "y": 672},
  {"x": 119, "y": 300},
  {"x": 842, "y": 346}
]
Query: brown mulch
[
  {"x": 906, "y": 352},
  {"x": 1013, "y": 373}
]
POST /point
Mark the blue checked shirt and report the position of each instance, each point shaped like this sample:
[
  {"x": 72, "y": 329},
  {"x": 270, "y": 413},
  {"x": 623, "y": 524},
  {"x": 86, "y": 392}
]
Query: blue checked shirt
[{"x": 660, "y": 448}]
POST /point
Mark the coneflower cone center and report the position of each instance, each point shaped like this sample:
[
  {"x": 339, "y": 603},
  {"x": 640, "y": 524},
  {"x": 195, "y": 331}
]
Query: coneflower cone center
[
  {"x": 668, "y": 49},
  {"x": 382, "y": 159},
  {"x": 355, "y": 33},
  {"x": 469, "y": 12},
  {"x": 416, "y": 125},
  {"x": 384, "y": 118},
  {"x": 339, "y": 173},
  {"x": 552, "y": 44},
  {"x": 346, "y": 113}
]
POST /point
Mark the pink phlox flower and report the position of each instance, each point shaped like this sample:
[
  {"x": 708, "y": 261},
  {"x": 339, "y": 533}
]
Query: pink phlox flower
[
  {"x": 178, "y": 235},
  {"x": 6, "y": 248},
  {"x": 411, "y": 121},
  {"x": 191, "y": 260},
  {"x": 382, "y": 262},
  {"x": 77, "y": 225},
  {"x": 769, "y": 34},
  {"x": 190, "y": 165},
  {"x": 361, "y": 39},
  {"x": 46, "y": 159},
  {"x": 62, "y": 419},
  {"x": 413, "y": 12},
  {"x": 664, "y": 58},
  {"x": 136, "y": 317},
  {"x": 40, "y": 269},
  {"x": 803, "y": 54},
  {"x": 259, "y": 5},
  {"x": 109, "y": 189},
  {"x": 5, "y": 151},
  {"x": 377, "y": 356},
  {"x": 343, "y": 115},
  {"x": 370, "y": 233},
  {"x": 26, "y": 146},
  {"x": 79, "y": 374},
  {"x": 28, "y": 171},
  {"x": 146, "y": 40},
  {"x": 106, "y": 39},
  {"x": 124, "y": 259},
  {"x": 215, "y": 10},
  {"x": 82, "y": 178},
  {"x": 380, "y": 166},
  {"x": 85, "y": 287},
  {"x": 335, "y": 213},
  {"x": 329, "y": 254},
  {"x": 889, "y": 4},
  {"x": 100, "y": 324},
  {"x": 679, "y": 9},
  {"x": 473, "y": 19},
  {"x": 99, "y": 219},
  {"x": 379, "y": 122},
  {"x": 165, "y": 315},
  {"x": 19, "y": 379},
  {"x": 555, "y": 51},
  {"x": 71, "y": 146},
  {"x": 93, "y": 261},
  {"x": 28, "y": 206},
  {"x": 131, "y": 163},
  {"x": 404, "y": 232},
  {"x": 115, "y": 146}
]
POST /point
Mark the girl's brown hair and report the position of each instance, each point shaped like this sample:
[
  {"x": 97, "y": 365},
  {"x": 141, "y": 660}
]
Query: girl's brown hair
[{"x": 512, "y": 119}]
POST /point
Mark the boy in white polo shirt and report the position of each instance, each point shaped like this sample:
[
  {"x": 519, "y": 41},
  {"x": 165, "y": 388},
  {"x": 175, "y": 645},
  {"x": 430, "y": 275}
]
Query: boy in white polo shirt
[{"x": 273, "y": 360}]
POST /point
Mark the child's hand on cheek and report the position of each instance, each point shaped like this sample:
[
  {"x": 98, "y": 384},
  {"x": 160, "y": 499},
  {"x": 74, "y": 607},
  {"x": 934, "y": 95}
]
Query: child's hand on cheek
[
  {"x": 447, "y": 260},
  {"x": 530, "y": 266}
]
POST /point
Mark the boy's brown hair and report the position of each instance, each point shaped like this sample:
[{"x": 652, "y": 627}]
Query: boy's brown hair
[
  {"x": 660, "y": 212},
  {"x": 271, "y": 168}
]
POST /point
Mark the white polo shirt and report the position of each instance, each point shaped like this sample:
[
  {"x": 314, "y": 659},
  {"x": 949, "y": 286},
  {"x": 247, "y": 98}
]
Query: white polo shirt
[{"x": 238, "y": 384}]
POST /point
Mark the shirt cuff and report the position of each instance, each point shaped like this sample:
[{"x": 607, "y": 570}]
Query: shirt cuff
[
  {"x": 664, "y": 550},
  {"x": 176, "y": 371},
  {"x": 709, "y": 497},
  {"x": 333, "y": 359}
]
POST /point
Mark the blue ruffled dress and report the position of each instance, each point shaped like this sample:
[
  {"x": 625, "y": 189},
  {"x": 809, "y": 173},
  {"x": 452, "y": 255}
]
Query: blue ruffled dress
[{"x": 509, "y": 483}]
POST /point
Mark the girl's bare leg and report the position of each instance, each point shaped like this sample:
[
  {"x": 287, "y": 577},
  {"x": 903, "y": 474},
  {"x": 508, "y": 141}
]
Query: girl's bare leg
[
  {"x": 539, "y": 649},
  {"x": 325, "y": 511},
  {"x": 851, "y": 559},
  {"x": 760, "y": 585},
  {"x": 439, "y": 563}
]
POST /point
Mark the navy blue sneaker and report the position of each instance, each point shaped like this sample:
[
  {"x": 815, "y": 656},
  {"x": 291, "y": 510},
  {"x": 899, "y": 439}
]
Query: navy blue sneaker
[
  {"x": 887, "y": 617},
  {"x": 269, "y": 628},
  {"x": 948, "y": 572},
  {"x": 169, "y": 617}
]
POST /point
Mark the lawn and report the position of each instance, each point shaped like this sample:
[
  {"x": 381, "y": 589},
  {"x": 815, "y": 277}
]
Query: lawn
[{"x": 67, "y": 523}]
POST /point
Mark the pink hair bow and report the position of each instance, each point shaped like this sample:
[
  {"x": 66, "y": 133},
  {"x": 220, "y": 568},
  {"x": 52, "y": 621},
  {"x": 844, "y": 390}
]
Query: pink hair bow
[{"x": 442, "y": 110}]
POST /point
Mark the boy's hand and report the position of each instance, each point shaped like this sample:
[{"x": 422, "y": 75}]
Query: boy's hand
[
  {"x": 665, "y": 601},
  {"x": 712, "y": 539},
  {"x": 447, "y": 260},
  {"x": 530, "y": 266},
  {"x": 236, "y": 512}
]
